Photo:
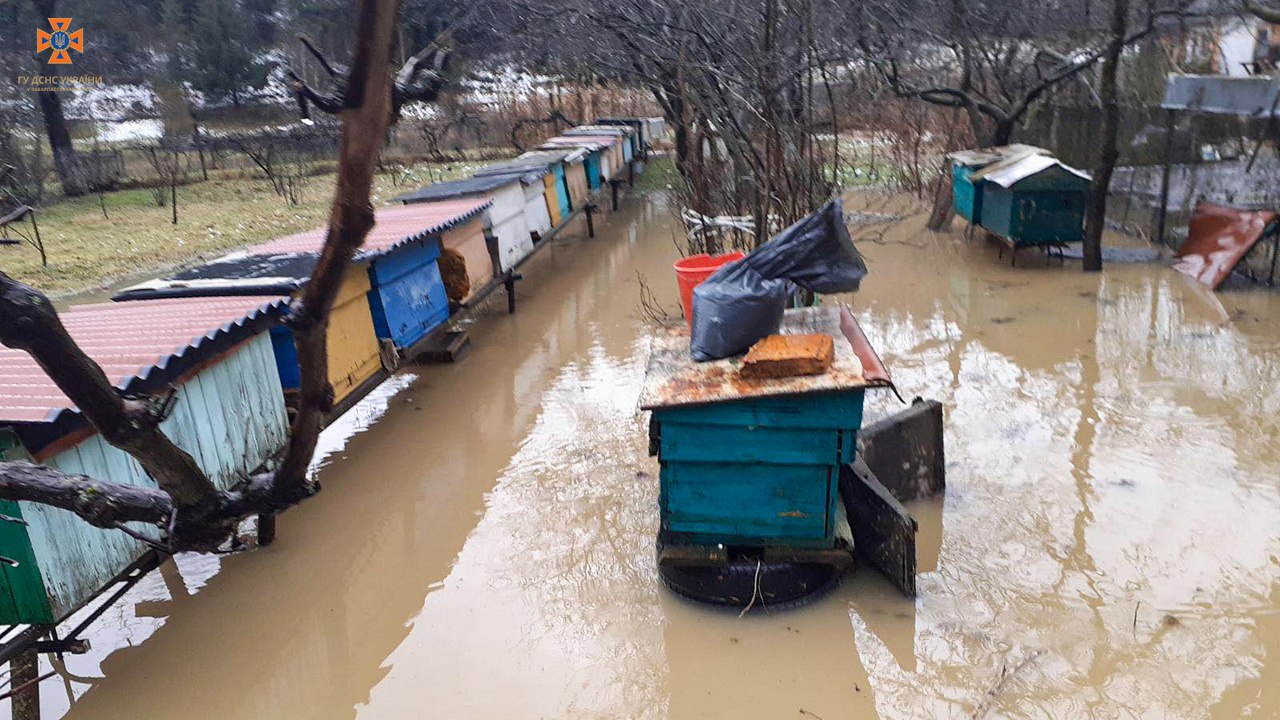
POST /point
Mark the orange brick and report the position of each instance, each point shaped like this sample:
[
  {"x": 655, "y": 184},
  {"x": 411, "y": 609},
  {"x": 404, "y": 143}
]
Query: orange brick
[{"x": 779, "y": 356}]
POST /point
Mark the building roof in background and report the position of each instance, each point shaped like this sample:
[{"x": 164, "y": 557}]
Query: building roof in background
[
  {"x": 1254, "y": 96},
  {"x": 453, "y": 189},
  {"x": 1007, "y": 173},
  {"x": 140, "y": 345},
  {"x": 393, "y": 226}
]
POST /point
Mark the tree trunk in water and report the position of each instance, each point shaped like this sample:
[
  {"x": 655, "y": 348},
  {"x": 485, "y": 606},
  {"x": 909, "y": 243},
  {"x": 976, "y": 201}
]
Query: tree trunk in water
[
  {"x": 943, "y": 201},
  {"x": 1108, "y": 90},
  {"x": 1003, "y": 133},
  {"x": 65, "y": 160}
]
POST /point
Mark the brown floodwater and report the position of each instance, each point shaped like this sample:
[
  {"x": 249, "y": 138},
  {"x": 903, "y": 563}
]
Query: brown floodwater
[{"x": 1109, "y": 545}]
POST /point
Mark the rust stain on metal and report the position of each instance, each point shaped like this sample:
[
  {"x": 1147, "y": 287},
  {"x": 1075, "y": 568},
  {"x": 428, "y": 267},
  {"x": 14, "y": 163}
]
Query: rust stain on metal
[
  {"x": 1218, "y": 239},
  {"x": 673, "y": 379}
]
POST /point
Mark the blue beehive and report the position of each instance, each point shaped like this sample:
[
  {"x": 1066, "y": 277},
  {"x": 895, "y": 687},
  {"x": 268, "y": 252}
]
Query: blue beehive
[
  {"x": 755, "y": 463},
  {"x": 407, "y": 294}
]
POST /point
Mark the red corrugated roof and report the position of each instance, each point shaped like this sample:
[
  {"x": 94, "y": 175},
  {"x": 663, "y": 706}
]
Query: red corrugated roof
[
  {"x": 393, "y": 225},
  {"x": 130, "y": 341}
]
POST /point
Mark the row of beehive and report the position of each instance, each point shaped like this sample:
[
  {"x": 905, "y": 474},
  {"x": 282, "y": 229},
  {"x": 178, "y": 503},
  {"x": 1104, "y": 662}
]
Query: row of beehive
[{"x": 217, "y": 334}]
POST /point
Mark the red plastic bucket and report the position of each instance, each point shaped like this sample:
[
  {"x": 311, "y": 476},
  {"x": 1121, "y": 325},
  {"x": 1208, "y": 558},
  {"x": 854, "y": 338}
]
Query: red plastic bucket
[{"x": 691, "y": 271}]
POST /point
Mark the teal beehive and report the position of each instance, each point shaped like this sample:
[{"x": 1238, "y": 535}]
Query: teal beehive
[{"x": 756, "y": 462}]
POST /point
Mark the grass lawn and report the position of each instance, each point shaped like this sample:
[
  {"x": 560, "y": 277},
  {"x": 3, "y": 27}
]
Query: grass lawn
[{"x": 87, "y": 251}]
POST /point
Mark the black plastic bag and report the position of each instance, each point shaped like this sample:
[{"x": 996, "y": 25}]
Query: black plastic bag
[{"x": 744, "y": 300}]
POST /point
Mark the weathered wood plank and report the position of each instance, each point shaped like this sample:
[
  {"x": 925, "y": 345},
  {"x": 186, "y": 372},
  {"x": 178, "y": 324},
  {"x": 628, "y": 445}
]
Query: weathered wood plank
[
  {"x": 884, "y": 533},
  {"x": 905, "y": 451}
]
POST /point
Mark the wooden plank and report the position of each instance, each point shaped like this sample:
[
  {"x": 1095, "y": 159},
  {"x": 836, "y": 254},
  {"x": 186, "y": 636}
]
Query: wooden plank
[
  {"x": 884, "y": 533},
  {"x": 906, "y": 453}
]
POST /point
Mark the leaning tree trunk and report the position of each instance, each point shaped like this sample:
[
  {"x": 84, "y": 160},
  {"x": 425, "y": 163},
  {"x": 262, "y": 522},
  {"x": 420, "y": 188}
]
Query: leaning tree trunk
[
  {"x": 65, "y": 160},
  {"x": 1108, "y": 91},
  {"x": 943, "y": 201}
]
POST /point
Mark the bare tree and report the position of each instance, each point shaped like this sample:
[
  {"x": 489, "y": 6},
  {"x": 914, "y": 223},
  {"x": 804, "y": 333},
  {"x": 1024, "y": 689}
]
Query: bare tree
[
  {"x": 1109, "y": 90},
  {"x": 995, "y": 61},
  {"x": 187, "y": 509}
]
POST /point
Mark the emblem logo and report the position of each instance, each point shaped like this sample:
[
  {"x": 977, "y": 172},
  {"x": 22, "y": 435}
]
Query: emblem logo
[{"x": 60, "y": 41}]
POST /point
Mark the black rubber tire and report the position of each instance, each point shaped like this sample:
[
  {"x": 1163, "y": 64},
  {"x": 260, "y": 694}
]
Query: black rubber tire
[{"x": 782, "y": 585}]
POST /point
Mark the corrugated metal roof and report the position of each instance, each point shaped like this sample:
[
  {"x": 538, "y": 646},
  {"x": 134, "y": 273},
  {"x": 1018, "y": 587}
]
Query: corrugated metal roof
[
  {"x": 393, "y": 226},
  {"x": 529, "y": 175},
  {"x": 591, "y": 142},
  {"x": 1248, "y": 96},
  {"x": 520, "y": 165},
  {"x": 237, "y": 274},
  {"x": 456, "y": 189},
  {"x": 561, "y": 154},
  {"x": 618, "y": 130},
  {"x": 1007, "y": 172},
  {"x": 154, "y": 340},
  {"x": 986, "y": 156}
]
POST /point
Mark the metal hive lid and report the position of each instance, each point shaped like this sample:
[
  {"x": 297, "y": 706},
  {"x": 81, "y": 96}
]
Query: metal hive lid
[
  {"x": 146, "y": 343},
  {"x": 393, "y": 226}
]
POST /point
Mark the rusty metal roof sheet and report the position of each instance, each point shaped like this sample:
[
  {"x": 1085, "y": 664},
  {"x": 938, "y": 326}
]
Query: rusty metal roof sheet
[
  {"x": 1218, "y": 239},
  {"x": 393, "y": 226},
  {"x": 140, "y": 345},
  {"x": 673, "y": 379}
]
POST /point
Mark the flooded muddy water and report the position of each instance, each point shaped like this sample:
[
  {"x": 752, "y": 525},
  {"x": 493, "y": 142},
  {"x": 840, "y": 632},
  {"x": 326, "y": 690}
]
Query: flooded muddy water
[{"x": 1109, "y": 545}]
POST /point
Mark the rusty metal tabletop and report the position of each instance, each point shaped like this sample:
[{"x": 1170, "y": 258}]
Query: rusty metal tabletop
[{"x": 673, "y": 379}]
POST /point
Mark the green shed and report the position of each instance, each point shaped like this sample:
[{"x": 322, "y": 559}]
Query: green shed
[{"x": 1033, "y": 200}]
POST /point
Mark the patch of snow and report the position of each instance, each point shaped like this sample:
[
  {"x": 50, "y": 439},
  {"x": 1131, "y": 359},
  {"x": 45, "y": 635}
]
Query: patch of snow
[
  {"x": 110, "y": 101},
  {"x": 129, "y": 130}
]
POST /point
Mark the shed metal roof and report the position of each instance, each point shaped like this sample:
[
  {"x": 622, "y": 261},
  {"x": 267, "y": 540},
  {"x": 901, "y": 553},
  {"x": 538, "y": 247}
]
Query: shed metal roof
[
  {"x": 1254, "y": 96},
  {"x": 453, "y": 189},
  {"x": 1008, "y": 172},
  {"x": 137, "y": 344},
  {"x": 988, "y": 155},
  {"x": 393, "y": 226}
]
